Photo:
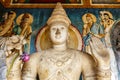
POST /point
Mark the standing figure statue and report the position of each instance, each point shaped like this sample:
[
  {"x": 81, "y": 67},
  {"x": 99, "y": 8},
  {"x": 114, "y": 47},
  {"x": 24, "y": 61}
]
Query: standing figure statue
[
  {"x": 61, "y": 62},
  {"x": 107, "y": 22},
  {"x": 24, "y": 22}
]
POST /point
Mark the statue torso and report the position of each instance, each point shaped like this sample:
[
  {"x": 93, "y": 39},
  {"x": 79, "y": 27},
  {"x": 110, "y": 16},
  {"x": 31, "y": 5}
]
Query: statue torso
[{"x": 55, "y": 65}]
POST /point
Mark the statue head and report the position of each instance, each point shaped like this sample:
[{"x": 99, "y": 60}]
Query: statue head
[
  {"x": 58, "y": 31},
  {"x": 59, "y": 23}
]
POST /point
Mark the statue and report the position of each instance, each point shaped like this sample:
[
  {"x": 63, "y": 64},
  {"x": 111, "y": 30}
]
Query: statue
[
  {"x": 107, "y": 22},
  {"x": 61, "y": 62},
  {"x": 24, "y": 22},
  {"x": 90, "y": 28}
]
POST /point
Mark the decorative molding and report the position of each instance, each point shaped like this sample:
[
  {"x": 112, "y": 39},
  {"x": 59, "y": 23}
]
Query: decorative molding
[{"x": 83, "y": 4}]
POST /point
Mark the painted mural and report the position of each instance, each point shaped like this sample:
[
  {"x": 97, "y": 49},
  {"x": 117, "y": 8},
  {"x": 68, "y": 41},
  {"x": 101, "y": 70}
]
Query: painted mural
[{"x": 101, "y": 23}]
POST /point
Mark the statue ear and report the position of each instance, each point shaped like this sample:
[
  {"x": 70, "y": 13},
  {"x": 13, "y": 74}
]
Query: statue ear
[{"x": 68, "y": 38}]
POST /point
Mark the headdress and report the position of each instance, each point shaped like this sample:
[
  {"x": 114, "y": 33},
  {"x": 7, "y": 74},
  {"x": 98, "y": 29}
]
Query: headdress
[{"x": 59, "y": 15}]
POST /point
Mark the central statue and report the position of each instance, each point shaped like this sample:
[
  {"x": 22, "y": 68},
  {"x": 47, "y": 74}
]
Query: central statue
[{"x": 60, "y": 62}]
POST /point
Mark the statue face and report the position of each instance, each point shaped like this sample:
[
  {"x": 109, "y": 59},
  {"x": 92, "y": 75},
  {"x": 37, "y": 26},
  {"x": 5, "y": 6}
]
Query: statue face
[{"x": 58, "y": 33}]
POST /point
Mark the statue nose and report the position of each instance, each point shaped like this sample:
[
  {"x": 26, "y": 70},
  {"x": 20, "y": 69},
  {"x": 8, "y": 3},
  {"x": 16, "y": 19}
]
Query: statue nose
[{"x": 58, "y": 31}]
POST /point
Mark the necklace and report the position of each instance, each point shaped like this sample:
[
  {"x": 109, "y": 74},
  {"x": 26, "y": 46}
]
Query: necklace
[{"x": 60, "y": 58}]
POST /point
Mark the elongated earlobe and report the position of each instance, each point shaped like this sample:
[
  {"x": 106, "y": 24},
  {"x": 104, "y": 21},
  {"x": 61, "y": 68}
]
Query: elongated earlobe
[{"x": 68, "y": 38}]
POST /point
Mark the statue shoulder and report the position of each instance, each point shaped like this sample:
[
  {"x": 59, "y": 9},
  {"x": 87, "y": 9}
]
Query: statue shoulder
[
  {"x": 36, "y": 56},
  {"x": 88, "y": 59},
  {"x": 83, "y": 56},
  {"x": 86, "y": 56},
  {"x": 34, "y": 59}
]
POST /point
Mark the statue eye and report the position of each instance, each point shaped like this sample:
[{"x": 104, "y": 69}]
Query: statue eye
[{"x": 53, "y": 29}]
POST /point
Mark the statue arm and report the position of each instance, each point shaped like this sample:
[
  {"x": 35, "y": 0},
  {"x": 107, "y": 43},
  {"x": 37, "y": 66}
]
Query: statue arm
[
  {"x": 88, "y": 67},
  {"x": 13, "y": 73},
  {"x": 103, "y": 73},
  {"x": 102, "y": 57},
  {"x": 29, "y": 71}
]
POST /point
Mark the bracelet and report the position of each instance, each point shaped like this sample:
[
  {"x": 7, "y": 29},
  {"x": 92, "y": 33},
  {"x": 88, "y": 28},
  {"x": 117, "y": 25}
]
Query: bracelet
[
  {"x": 102, "y": 67},
  {"x": 106, "y": 73}
]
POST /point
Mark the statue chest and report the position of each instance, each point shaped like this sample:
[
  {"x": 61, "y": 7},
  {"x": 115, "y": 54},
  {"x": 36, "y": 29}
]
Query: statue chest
[{"x": 59, "y": 67}]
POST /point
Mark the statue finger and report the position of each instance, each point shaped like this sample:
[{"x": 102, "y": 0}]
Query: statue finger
[
  {"x": 97, "y": 52},
  {"x": 94, "y": 42},
  {"x": 99, "y": 43}
]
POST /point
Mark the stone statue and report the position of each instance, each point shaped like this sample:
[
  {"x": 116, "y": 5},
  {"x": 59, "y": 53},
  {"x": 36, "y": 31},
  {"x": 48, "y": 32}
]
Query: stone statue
[{"x": 61, "y": 62}]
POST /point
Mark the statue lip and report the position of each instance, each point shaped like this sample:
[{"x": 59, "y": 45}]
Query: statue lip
[{"x": 58, "y": 36}]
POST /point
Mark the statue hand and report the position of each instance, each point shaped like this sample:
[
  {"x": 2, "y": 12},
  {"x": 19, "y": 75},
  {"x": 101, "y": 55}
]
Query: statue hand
[
  {"x": 13, "y": 63},
  {"x": 100, "y": 52},
  {"x": 13, "y": 51},
  {"x": 13, "y": 60}
]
